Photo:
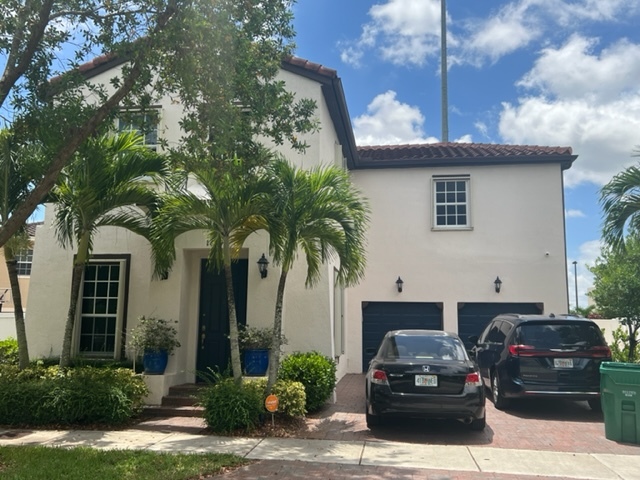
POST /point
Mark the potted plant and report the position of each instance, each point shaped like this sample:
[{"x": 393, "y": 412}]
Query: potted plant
[
  {"x": 156, "y": 339},
  {"x": 255, "y": 343}
]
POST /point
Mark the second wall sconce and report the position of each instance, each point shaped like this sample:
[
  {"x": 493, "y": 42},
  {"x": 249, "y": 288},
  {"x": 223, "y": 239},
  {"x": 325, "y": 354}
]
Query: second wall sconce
[
  {"x": 399, "y": 284},
  {"x": 498, "y": 284},
  {"x": 263, "y": 263}
]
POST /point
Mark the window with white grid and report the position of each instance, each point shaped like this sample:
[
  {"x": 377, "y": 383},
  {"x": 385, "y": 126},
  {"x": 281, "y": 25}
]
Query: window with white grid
[{"x": 451, "y": 203}]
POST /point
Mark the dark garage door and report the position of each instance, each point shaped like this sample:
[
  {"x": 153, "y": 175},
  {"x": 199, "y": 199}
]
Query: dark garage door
[
  {"x": 380, "y": 317},
  {"x": 473, "y": 317}
]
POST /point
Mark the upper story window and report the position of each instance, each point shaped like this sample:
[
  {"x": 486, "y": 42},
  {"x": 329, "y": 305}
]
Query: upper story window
[
  {"x": 451, "y": 202},
  {"x": 24, "y": 258},
  {"x": 145, "y": 124}
]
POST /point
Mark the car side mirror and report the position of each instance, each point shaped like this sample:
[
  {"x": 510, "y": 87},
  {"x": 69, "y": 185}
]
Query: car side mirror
[{"x": 473, "y": 339}]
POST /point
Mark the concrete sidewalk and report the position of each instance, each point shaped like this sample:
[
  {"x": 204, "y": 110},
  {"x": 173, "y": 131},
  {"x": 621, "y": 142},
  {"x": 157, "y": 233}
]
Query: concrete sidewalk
[{"x": 469, "y": 461}]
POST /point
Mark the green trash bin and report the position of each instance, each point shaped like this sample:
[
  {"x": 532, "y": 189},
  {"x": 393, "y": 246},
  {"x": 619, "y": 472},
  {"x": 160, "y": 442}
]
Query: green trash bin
[{"x": 620, "y": 389}]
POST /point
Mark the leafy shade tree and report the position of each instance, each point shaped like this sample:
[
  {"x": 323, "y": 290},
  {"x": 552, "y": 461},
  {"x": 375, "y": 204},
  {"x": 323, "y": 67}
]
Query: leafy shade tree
[
  {"x": 107, "y": 184},
  {"x": 229, "y": 208},
  {"x": 217, "y": 57},
  {"x": 616, "y": 286},
  {"x": 18, "y": 166},
  {"x": 620, "y": 200},
  {"x": 319, "y": 213}
]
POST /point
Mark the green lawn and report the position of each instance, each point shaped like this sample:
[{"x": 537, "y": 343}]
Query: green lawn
[{"x": 47, "y": 463}]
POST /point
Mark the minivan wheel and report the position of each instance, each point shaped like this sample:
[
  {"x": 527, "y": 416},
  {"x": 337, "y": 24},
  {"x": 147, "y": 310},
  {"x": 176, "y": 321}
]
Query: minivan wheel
[
  {"x": 595, "y": 404},
  {"x": 497, "y": 395}
]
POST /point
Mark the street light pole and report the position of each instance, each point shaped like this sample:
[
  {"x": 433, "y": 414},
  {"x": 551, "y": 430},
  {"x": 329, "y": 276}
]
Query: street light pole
[
  {"x": 575, "y": 277},
  {"x": 443, "y": 71}
]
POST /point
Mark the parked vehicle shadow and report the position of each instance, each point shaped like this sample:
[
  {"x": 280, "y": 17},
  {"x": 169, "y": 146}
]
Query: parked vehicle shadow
[{"x": 554, "y": 409}]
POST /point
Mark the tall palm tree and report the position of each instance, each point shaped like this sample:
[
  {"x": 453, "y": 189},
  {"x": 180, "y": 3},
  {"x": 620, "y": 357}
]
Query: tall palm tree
[
  {"x": 320, "y": 213},
  {"x": 106, "y": 184},
  {"x": 620, "y": 200},
  {"x": 231, "y": 207},
  {"x": 20, "y": 164}
]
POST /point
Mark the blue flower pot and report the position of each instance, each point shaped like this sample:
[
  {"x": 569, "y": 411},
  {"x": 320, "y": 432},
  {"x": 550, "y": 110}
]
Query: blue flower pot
[
  {"x": 256, "y": 362},
  {"x": 155, "y": 363}
]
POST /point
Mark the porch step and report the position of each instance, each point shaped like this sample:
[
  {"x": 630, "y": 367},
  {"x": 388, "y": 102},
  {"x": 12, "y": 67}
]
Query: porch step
[
  {"x": 179, "y": 402},
  {"x": 172, "y": 411}
]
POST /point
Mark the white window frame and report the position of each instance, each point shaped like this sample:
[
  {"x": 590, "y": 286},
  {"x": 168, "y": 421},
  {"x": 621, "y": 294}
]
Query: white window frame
[
  {"x": 121, "y": 297},
  {"x": 435, "y": 180},
  {"x": 23, "y": 259},
  {"x": 123, "y": 126}
]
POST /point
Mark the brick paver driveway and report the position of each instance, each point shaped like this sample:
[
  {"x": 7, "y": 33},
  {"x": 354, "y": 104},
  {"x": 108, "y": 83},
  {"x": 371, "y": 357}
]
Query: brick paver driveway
[{"x": 554, "y": 425}]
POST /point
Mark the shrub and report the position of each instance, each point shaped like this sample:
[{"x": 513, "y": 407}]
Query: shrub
[
  {"x": 620, "y": 346},
  {"x": 9, "y": 352},
  {"x": 85, "y": 395},
  {"x": 315, "y": 371},
  {"x": 229, "y": 406},
  {"x": 291, "y": 396}
]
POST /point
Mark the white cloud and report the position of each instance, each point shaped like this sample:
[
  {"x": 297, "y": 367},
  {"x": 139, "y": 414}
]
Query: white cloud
[
  {"x": 594, "y": 112},
  {"x": 401, "y": 31},
  {"x": 389, "y": 121},
  {"x": 574, "y": 214}
]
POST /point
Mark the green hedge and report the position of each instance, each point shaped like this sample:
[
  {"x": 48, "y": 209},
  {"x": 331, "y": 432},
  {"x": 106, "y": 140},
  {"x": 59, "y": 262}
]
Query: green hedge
[
  {"x": 315, "y": 371},
  {"x": 77, "y": 396},
  {"x": 9, "y": 352}
]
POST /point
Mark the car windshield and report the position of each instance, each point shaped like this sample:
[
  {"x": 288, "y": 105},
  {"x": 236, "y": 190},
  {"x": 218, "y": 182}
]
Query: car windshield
[
  {"x": 558, "y": 335},
  {"x": 423, "y": 347}
]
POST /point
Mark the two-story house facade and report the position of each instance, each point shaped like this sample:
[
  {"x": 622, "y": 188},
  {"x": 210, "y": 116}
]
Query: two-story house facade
[{"x": 446, "y": 219}]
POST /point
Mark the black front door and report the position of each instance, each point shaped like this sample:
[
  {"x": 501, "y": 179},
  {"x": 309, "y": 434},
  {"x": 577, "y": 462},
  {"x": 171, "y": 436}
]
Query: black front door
[{"x": 213, "y": 327}]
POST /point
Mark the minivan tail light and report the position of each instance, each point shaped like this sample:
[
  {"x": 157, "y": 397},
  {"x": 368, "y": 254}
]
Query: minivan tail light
[
  {"x": 379, "y": 377},
  {"x": 522, "y": 350},
  {"x": 473, "y": 379},
  {"x": 600, "y": 351}
]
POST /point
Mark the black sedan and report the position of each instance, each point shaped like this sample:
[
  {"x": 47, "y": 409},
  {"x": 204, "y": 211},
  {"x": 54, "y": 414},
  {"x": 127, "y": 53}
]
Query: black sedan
[{"x": 424, "y": 374}]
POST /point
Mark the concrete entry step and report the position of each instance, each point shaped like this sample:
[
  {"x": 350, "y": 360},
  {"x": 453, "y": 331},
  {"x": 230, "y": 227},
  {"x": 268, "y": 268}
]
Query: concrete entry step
[{"x": 179, "y": 402}]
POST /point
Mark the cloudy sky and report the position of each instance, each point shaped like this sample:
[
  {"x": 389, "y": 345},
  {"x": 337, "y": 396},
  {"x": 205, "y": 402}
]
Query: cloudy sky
[{"x": 543, "y": 72}]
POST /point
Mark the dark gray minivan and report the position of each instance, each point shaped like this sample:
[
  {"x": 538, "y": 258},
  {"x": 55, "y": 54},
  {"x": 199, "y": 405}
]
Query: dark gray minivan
[{"x": 541, "y": 356}]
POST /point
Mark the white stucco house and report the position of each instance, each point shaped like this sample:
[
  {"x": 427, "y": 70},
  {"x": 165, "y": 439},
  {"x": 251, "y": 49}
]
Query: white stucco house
[{"x": 447, "y": 219}]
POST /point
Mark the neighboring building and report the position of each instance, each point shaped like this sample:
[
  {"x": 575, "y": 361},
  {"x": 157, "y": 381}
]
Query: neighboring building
[
  {"x": 25, "y": 260},
  {"x": 446, "y": 218}
]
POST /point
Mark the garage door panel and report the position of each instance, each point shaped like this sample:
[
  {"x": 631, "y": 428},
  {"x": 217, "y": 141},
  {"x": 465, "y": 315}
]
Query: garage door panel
[
  {"x": 474, "y": 317},
  {"x": 380, "y": 317}
]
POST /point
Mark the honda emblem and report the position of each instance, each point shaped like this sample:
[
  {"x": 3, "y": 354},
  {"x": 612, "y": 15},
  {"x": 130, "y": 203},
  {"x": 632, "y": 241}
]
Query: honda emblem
[{"x": 425, "y": 368}]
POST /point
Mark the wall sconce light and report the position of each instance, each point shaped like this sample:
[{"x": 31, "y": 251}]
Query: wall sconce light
[
  {"x": 263, "y": 263},
  {"x": 399, "y": 284},
  {"x": 498, "y": 284}
]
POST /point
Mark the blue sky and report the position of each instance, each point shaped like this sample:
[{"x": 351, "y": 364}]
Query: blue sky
[{"x": 540, "y": 72}]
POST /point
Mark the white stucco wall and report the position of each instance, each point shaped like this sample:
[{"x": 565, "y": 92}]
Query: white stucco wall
[{"x": 517, "y": 218}]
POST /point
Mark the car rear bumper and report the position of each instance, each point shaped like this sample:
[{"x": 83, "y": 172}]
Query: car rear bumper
[
  {"x": 468, "y": 405},
  {"x": 517, "y": 389}
]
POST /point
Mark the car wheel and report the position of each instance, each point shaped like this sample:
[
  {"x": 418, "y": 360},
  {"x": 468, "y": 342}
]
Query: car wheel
[
  {"x": 372, "y": 420},
  {"x": 595, "y": 404},
  {"x": 478, "y": 424},
  {"x": 497, "y": 395}
]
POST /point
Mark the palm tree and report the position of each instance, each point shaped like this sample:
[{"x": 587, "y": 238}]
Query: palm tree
[
  {"x": 320, "y": 213},
  {"x": 230, "y": 209},
  {"x": 106, "y": 184},
  {"x": 19, "y": 165},
  {"x": 620, "y": 200}
]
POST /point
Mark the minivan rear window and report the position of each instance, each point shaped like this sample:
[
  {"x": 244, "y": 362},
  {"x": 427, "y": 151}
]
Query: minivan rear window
[{"x": 558, "y": 335}]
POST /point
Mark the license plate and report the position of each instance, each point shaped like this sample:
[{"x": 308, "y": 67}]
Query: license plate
[
  {"x": 426, "y": 380},
  {"x": 563, "y": 362}
]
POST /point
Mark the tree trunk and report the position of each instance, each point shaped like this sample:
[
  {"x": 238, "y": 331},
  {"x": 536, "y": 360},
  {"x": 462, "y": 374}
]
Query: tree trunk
[
  {"x": 633, "y": 342},
  {"x": 274, "y": 352},
  {"x": 76, "y": 280},
  {"x": 236, "y": 365},
  {"x": 21, "y": 333}
]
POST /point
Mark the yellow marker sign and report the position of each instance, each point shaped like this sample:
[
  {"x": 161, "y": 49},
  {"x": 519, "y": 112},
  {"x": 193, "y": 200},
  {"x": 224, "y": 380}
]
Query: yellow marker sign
[{"x": 271, "y": 403}]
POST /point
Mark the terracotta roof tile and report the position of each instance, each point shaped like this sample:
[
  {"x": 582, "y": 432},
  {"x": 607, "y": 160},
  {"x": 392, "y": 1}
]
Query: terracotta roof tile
[
  {"x": 460, "y": 154},
  {"x": 31, "y": 228},
  {"x": 311, "y": 66}
]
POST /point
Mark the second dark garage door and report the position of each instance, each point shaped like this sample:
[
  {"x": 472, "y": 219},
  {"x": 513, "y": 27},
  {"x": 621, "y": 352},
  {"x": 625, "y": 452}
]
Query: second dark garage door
[
  {"x": 380, "y": 317},
  {"x": 473, "y": 317}
]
